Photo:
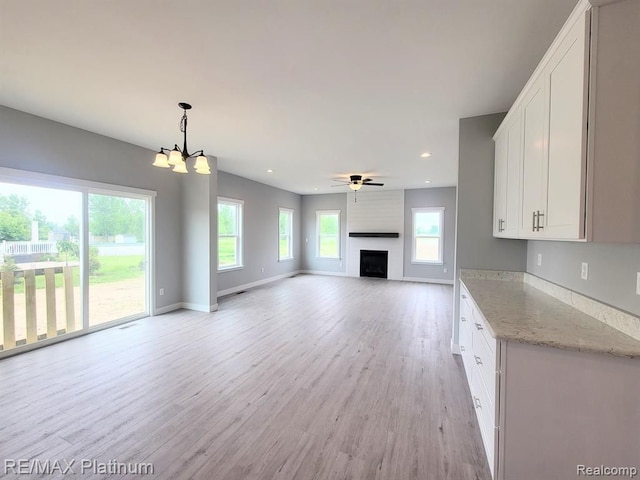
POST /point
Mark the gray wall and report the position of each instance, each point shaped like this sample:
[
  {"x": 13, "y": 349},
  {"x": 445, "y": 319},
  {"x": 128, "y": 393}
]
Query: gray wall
[
  {"x": 475, "y": 245},
  {"x": 310, "y": 204},
  {"x": 612, "y": 270},
  {"x": 200, "y": 240},
  {"x": 431, "y": 197},
  {"x": 39, "y": 145},
  {"x": 260, "y": 230}
]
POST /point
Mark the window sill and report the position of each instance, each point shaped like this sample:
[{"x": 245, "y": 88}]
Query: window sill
[
  {"x": 230, "y": 269},
  {"x": 288, "y": 259},
  {"x": 424, "y": 262},
  {"x": 329, "y": 258}
]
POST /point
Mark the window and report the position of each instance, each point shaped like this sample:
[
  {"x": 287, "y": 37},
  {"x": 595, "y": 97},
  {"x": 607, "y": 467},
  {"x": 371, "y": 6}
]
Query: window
[
  {"x": 285, "y": 228},
  {"x": 328, "y": 228},
  {"x": 229, "y": 233},
  {"x": 427, "y": 235}
]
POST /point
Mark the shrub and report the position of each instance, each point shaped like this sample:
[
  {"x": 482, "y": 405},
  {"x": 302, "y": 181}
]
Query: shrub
[{"x": 94, "y": 263}]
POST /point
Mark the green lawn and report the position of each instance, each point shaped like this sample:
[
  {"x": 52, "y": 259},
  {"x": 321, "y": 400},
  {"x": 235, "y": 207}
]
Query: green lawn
[
  {"x": 114, "y": 269},
  {"x": 226, "y": 251}
]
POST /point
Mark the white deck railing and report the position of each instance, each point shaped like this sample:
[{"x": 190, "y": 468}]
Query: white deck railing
[{"x": 27, "y": 248}]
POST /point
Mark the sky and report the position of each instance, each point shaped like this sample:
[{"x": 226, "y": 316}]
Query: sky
[{"x": 57, "y": 205}]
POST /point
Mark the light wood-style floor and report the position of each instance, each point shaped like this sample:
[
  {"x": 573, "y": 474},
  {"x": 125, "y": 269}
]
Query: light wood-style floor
[{"x": 307, "y": 378}]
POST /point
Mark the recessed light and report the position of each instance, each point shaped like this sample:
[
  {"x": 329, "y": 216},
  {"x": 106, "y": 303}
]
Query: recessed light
[
  {"x": 427, "y": 181},
  {"x": 425, "y": 155},
  {"x": 269, "y": 170},
  {"x": 316, "y": 188}
]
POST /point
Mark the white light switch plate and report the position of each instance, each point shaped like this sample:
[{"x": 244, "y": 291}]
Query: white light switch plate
[
  {"x": 584, "y": 273},
  {"x": 539, "y": 259},
  {"x": 638, "y": 284}
]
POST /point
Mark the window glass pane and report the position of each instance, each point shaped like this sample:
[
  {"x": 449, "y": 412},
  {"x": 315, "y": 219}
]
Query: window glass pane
[
  {"x": 427, "y": 223},
  {"x": 40, "y": 292},
  {"x": 284, "y": 246},
  {"x": 329, "y": 224},
  {"x": 227, "y": 251},
  {"x": 227, "y": 219},
  {"x": 427, "y": 249},
  {"x": 117, "y": 257},
  {"x": 328, "y": 246}
]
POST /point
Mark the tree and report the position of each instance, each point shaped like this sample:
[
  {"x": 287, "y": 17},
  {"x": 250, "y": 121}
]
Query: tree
[
  {"x": 72, "y": 226},
  {"x": 110, "y": 216},
  {"x": 15, "y": 223}
]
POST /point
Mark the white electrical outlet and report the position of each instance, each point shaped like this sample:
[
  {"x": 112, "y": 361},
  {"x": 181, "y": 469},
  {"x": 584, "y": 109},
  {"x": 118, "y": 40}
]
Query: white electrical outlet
[
  {"x": 539, "y": 259},
  {"x": 638, "y": 284},
  {"x": 584, "y": 273},
  {"x": 161, "y": 291},
  {"x": 445, "y": 270},
  {"x": 262, "y": 269}
]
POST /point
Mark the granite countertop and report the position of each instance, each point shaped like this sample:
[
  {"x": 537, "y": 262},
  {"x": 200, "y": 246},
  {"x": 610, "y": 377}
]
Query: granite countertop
[{"x": 516, "y": 311}]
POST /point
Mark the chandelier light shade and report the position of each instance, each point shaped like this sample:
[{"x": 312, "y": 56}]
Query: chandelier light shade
[
  {"x": 178, "y": 158},
  {"x": 355, "y": 186}
]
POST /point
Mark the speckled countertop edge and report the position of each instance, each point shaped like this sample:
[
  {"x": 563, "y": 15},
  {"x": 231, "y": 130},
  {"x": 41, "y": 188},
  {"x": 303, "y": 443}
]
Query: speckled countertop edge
[{"x": 523, "y": 308}]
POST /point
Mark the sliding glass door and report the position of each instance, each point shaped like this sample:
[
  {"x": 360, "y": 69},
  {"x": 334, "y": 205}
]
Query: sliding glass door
[{"x": 73, "y": 258}]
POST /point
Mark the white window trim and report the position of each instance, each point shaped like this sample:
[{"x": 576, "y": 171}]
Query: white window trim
[
  {"x": 236, "y": 203},
  {"x": 440, "y": 260},
  {"x": 319, "y": 213},
  {"x": 290, "y": 212}
]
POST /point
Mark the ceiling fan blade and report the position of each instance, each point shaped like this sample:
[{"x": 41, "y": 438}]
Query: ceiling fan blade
[
  {"x": 375, "y": 184},
  {"x": 342, "y": 185},
  {"x": 366, "y": 180},
  {"x": 346, "y": 182}
]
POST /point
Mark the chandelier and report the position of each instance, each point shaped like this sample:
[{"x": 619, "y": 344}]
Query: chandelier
[{"x": 178, "y": 158}]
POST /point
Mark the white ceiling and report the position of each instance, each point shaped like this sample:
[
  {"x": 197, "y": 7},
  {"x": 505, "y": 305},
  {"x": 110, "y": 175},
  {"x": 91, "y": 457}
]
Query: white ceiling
[{"x": 312, "y": 89}]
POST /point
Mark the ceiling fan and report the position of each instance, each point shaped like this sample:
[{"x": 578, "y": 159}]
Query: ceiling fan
[{"x": 356, "y": 182}]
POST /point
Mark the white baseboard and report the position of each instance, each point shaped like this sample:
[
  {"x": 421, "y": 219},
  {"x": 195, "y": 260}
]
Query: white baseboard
[
  {"x": 246, "y": 286},
  {"x": 455, "y": 348},
  {"x": 441, "y": 281},
  {"x": 322, "y": 272},
  {"x": 167, "y": 309},
  {"x": 200, "y": 308}
]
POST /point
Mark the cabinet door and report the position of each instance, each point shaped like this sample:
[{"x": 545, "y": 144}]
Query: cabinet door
[
  {"x": 533, "y": 159},
  {"x": 567, "y": 77},
  {"x": 500, "y": 184},
  {"x": 514, "y": 181}
]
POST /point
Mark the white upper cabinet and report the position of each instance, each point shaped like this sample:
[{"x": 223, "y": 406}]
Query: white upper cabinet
[
  {"x": 566, "y": 155},
  {"x": 534, "y": 159},
  {"x": 507, "y": 180},
  {"x": 576, "y": 162}
]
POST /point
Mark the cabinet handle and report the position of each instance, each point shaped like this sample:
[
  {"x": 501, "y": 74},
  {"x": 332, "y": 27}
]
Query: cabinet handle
[
  {"x": 478, "y": 326},
  {"x": 463, "y": 319},
  {"x": 533, "y": 227},
  {"x": 478, "y": 360},
  {"x": 476, "y": 401},
  {"x": 538, "y": 226}
]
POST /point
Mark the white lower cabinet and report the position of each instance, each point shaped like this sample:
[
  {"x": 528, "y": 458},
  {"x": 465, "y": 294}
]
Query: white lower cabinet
[{"x": 543, "y": 412}]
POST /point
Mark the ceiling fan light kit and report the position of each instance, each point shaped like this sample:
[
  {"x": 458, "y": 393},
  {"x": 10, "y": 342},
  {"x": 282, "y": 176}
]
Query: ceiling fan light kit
[
  {"x": 177, "y": 158},
  {"x": 356, "y": 182}
]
